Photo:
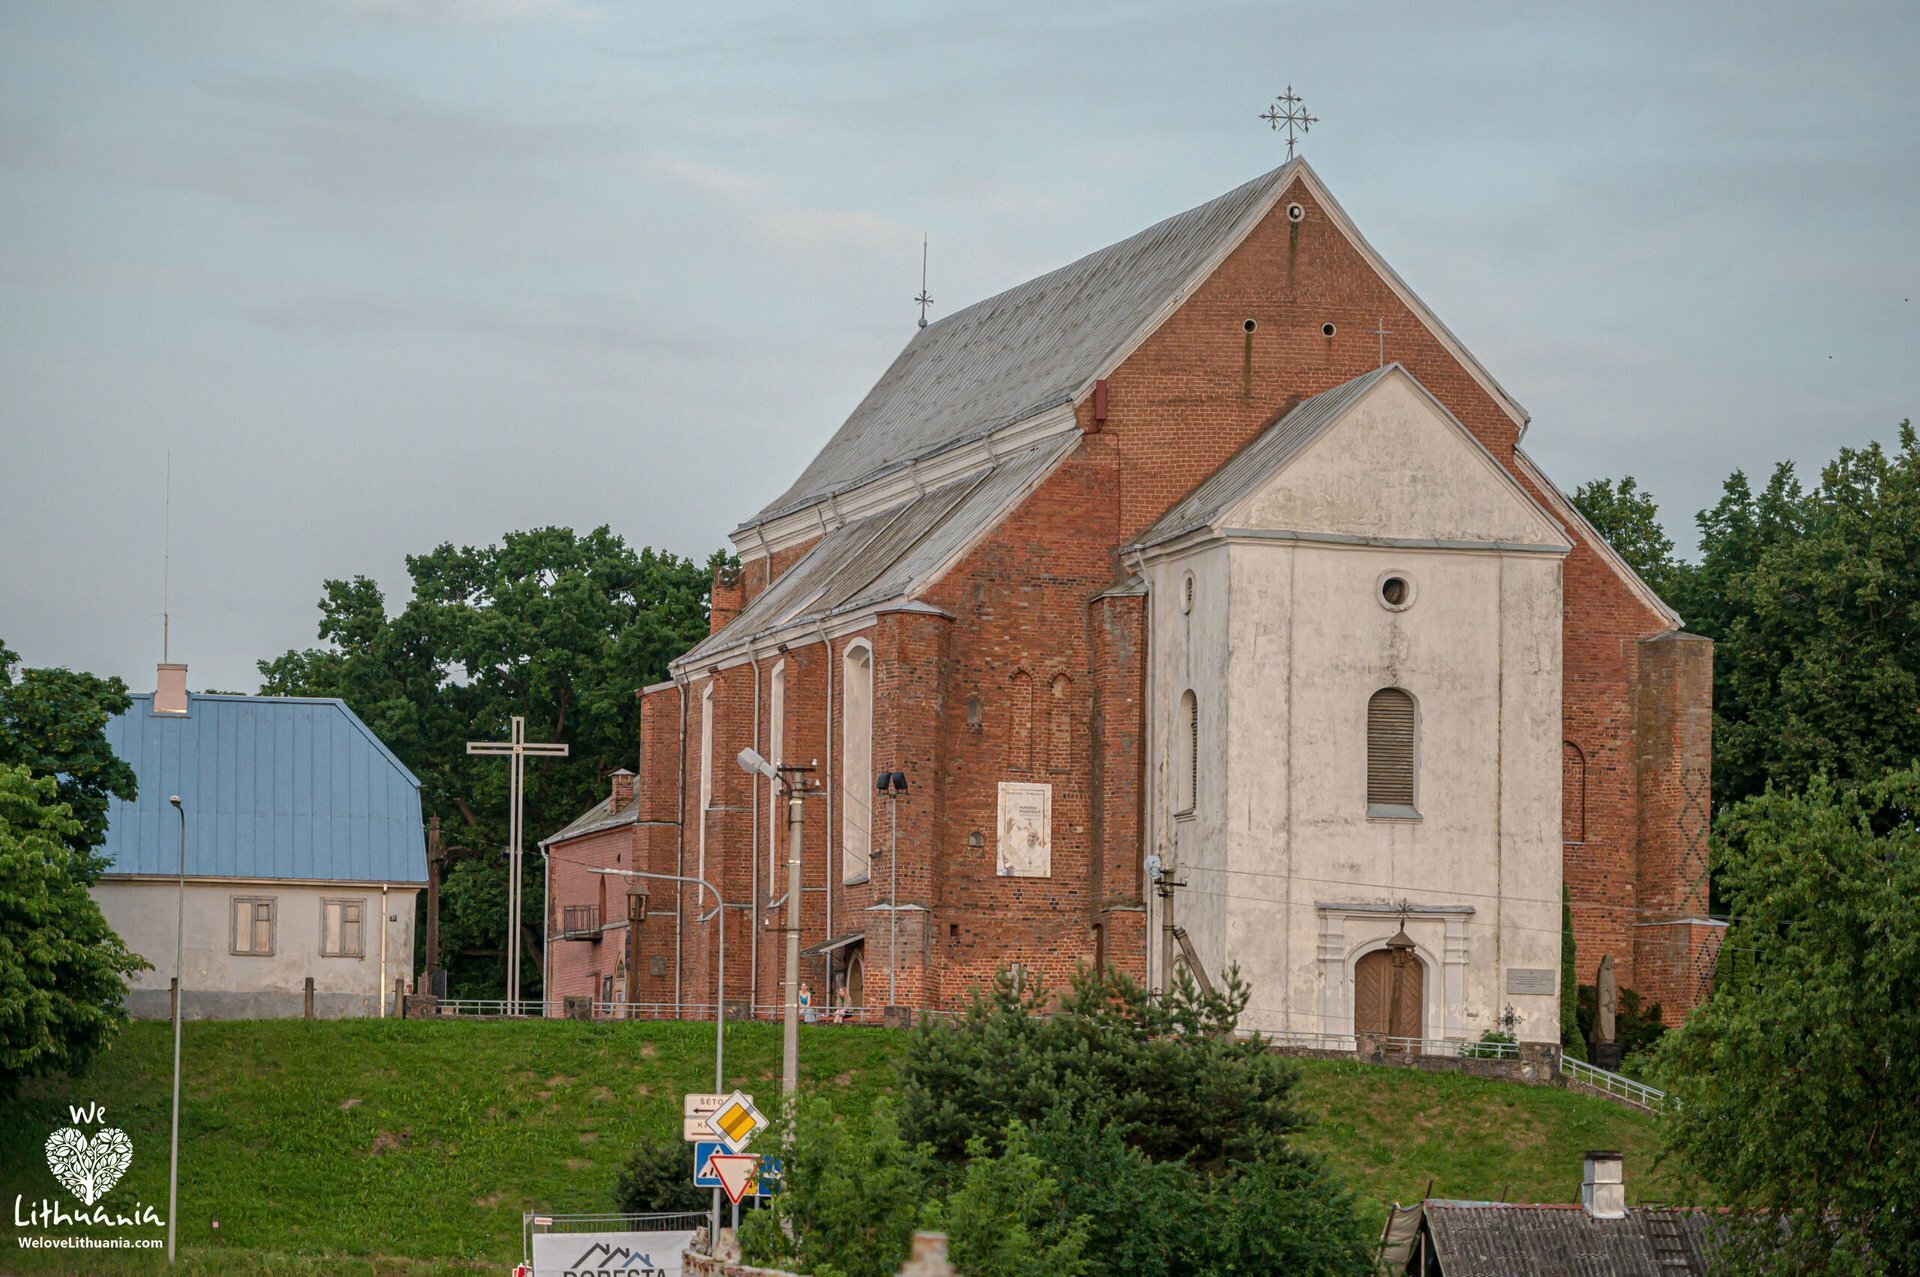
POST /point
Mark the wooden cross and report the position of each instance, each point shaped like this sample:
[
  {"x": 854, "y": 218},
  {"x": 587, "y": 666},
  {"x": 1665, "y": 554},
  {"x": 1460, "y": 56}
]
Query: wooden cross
[{"x": 517, "y": 748}]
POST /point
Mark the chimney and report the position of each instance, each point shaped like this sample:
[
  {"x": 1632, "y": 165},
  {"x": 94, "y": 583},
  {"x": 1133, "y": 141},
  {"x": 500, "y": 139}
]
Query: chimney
[
  {"x": 1603, "y": 1187},
  {"x": 170, "y": 690},
  {"x": 622, "y": 788}
]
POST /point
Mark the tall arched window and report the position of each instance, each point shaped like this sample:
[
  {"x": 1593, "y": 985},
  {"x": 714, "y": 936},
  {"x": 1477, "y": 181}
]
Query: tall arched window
[
  {"x": 776, "y": 753},
  {"x": 1391, "y": 753},
  {"x": 1186, "y": 780},
  {"x": 706, "y": 771},
  {"x": 1573, "y": 793},
  {"x": 1060, "y": 724},
  {"x": 856, "y": 762},
  {"x": 1020, "y": 722}
]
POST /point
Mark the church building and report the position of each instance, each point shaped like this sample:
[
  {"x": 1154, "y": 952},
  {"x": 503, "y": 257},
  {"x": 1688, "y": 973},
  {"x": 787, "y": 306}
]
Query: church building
[{"x": 1205, "y": 598}]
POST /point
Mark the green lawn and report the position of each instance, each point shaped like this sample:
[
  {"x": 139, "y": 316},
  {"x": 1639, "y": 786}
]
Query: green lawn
[{"x": 363, "y": 1147}]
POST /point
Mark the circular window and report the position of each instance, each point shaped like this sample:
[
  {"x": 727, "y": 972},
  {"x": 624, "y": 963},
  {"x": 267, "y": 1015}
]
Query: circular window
[
  {"x": 1396, "y": 591},
  {"x": 1249, "y": 325},
  {"x": 1295, "y": 213},
  {"x": 1326, "y": 330}
]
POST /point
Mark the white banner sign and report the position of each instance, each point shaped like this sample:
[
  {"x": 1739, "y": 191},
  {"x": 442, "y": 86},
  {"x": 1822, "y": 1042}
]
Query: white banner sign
[{"x": 609, "y": 1254}]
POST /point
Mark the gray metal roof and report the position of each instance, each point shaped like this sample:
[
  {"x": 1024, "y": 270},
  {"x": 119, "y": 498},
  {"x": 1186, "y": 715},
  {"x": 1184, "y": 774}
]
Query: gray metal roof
[
  {"x": 1480, "y": 1239},
  {"x": 1271, "y": 449},
  {"x": 273, "y": 786},
  {"x": 596, "y": 818},
  {"x": 1028, "y": 349},
  {"x": 884, "y": 556}
]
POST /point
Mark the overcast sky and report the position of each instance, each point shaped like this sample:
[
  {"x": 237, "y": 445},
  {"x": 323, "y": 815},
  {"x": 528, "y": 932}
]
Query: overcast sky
[{"x": 389, "y": 273}]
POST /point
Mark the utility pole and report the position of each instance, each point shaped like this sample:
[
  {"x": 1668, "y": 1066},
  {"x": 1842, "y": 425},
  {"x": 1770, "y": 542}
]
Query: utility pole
[
  {"x": 793, "y": 784},
  {"x": 179, "y": 992}
]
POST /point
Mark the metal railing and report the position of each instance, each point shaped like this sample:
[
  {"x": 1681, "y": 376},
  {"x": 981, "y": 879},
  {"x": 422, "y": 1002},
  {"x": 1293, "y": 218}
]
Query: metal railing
[
  {"x": 580, "y": 922},
  {"x": 1638, "y": 1094},
  {"x": 532, "y": 1222}
]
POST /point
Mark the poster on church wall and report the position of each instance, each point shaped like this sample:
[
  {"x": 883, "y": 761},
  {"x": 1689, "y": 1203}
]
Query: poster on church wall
[{"x": 1026, "y": 830}]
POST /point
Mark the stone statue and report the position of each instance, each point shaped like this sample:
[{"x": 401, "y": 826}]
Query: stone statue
[{"x": 1605, "y": 992}]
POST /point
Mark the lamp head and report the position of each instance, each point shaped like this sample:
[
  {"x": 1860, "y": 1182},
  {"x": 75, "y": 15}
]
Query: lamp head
[
  {"x": 899, "y": 782},
  {"x": 175, "y": 800},
  {"x": 750, "y": 761}
]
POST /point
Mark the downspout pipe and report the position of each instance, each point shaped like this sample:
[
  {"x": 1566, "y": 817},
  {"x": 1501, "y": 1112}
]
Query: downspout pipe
[
  {"x": 383, "y": 951},
  {"x": 679, "y": 840},
  {"x": 753, "y": 849},
  {"x": 826, "y": 643},
  {"x": 546, "y": 929}
]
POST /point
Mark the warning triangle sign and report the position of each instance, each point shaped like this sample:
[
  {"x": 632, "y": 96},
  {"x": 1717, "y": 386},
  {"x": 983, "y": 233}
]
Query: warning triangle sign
[{"x": 736, "y": 1171}]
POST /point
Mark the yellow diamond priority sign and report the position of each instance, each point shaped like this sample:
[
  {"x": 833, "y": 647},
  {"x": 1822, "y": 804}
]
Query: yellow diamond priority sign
[{"x": 736, "y": 1121}]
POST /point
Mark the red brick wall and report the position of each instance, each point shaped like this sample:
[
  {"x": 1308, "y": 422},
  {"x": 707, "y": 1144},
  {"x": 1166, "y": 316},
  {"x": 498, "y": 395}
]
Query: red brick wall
[{"x": 1023, "y": 610}]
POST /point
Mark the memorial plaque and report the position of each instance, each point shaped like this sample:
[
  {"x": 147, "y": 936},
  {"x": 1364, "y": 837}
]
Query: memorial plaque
[
  {"x": 1026, "y": 831},
  {"x": 1541, "y": 982}
]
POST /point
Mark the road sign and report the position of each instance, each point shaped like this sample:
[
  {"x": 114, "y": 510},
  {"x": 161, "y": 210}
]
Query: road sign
[
  {"x": 735, "y": 1171},
  {"x": 697, "y": 1110},
  {"x": 766, "y": 1179},
  {"x": 736, "y": 1121}
]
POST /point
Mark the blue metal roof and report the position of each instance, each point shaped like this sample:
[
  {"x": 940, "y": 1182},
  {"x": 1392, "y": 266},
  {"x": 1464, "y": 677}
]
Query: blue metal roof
[{"x": 274, "y": 787}]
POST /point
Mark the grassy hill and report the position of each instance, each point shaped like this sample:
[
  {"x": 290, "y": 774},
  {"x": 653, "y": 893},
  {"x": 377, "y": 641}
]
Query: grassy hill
[{"x": 413, "y": 1147}]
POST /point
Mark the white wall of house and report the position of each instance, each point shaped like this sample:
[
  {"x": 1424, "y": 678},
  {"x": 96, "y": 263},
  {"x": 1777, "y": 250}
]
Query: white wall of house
[
  {"x": 1287, "y": 874},
  {"x": 223, "y": 984}
]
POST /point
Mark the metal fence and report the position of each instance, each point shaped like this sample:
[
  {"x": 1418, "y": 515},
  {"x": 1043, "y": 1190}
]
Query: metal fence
[{"x": 1638, "y": 1094}]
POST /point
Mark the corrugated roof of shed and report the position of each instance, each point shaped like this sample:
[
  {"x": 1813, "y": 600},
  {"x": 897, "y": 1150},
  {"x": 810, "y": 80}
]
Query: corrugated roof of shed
[
  {"x": 1493, "y": 1240},
  {"x": 1025, "y": 350},
  {"x": 274, "y": 787}
]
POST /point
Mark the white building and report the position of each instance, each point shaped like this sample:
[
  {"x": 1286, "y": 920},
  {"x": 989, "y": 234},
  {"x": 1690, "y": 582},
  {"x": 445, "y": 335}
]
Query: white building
[{"x": 1363, "y": 596}]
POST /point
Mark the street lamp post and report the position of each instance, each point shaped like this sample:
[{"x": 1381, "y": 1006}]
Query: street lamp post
[
  {"x": 793, "y": 787},
  {"x": 179, "y": 993},
  {"x": 893, "y": 784}
]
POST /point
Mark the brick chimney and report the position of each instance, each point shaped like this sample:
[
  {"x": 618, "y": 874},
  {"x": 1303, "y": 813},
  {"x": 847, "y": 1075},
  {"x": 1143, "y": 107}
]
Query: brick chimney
[
  {"x": 1603, "y": 1186},
  {"x": 622, "y": 788},
  {"x": 170, "y": 690},
  {"x": 726, "y": 597}
]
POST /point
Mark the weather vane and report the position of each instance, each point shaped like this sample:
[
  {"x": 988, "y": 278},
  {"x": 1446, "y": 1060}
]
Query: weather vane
[
  {"x": 924, "y": 299},
  {"x": 1294, "y": 115}
]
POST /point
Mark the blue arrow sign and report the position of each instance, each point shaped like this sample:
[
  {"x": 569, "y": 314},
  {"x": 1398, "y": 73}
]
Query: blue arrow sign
[{"x": 703, "y": 1176}]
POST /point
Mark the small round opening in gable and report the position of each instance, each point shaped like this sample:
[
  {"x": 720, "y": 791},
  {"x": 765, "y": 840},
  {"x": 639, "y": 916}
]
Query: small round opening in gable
[
  {"x": 1396, "y": 591},
  {"x": 1326, "y": 330},
  {"x": 1296, "y": 213},
  {"x": 1249, "y": 325}
]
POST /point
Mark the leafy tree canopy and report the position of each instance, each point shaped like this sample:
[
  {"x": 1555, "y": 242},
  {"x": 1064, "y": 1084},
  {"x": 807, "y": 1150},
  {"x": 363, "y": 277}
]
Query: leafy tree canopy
[
  {"x": 1794, "y": 1086},
  {"x": 556, "y": 626},
  {"x": 53, "y": 722},
  {"x": 1629, "y": 518},
  {"x": 62, "y": 969}
]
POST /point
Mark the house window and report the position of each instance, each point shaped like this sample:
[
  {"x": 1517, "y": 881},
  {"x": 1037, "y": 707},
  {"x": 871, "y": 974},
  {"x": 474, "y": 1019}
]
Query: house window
[
  {"x": 1187, "y": 764},
  {"x": 342, "y": 926},
  {"x": 856, "y": 762},
  {"x": 1573, "y": 793},
  {"x": 1390, "y": 754},
  {"x": 252, "y": 925}
]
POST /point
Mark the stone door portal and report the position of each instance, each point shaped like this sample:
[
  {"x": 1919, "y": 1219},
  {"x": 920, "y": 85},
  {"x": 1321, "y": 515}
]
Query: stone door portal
[{"x": 1389, "y": 1000}]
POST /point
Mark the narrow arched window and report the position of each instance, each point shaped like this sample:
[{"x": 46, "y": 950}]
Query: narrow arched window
[
  {"x": 1020, "y": 722},
  {"x": 856, "y": 762},
  {"x": 1187, "y": 761},
  {"x": 1060, "y": 724},
  {"x": 1573, "y": 793},
  {"x": 1390, "y": 753}
]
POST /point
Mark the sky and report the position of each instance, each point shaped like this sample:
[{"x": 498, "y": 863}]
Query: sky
[{"x": 383, "y": 274}]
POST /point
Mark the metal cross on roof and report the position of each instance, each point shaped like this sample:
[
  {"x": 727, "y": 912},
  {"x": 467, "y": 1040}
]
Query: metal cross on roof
[
  {"x": 924, "y": 299},
  {"x": 517, "y": 747},
  {"x": 1294, "y": 115}
]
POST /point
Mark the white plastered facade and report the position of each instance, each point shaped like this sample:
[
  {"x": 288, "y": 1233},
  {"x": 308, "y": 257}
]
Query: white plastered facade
[{"x": 1287, "y": 875}]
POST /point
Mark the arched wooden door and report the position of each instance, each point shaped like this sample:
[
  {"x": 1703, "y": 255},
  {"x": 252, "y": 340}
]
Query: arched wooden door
[
  {"x": 1385, "y": 1006},
  {"x": 856, "y": 982}
]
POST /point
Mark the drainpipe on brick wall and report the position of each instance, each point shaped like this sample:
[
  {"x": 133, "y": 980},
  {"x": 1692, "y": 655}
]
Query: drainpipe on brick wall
[
  {"x": 679, "y": 840},
  {"x": 546, "y": 928},
  {"x": 826, "y": 775}
]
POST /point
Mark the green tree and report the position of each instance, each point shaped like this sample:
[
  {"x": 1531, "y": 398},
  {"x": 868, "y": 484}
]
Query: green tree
[
  {"x": 852, "y": 1195},
  {"x": 1793, "y": 1088},
  {"x": 1813, "y": 600},
  {"x": 658, "y": 1176},
  {"x": 62, "y": 969},
  {"x": 556, "y": 626},
  {"x": 1169, "y": 1072},
  {"x": 1571, "y": 1041},
  {"x": 1629, "y": 518},
  {"x": 53, "y": 722},
  {"x": 1005, "y": 1219},
  {"x": 1283, "y": 1215}
]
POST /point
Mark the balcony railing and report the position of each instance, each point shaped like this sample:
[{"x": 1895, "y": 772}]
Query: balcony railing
[{"x": 581, "y": 922}]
